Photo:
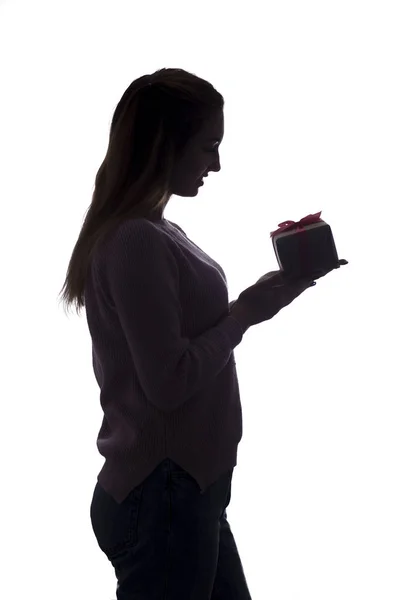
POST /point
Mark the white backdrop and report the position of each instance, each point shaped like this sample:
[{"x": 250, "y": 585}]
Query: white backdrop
[{"x": 311, "y": 123}]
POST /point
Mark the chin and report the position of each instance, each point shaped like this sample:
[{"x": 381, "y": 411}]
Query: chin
[{"x": 187, "y": 193}]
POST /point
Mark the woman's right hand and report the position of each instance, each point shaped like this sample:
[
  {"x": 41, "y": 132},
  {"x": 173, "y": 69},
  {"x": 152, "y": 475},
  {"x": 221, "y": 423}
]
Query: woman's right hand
[
  {"x": 263, "y": 300},
  {"x": 272, "y": 292}
]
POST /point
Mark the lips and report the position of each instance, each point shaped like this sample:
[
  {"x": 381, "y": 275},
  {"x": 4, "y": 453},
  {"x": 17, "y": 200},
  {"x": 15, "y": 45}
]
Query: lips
[{"x": 201, "y": 178}]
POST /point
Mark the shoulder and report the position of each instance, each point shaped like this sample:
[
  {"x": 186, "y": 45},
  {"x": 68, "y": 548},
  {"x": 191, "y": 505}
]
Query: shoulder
[
  {"x": 139, "y": 247},
  {"x": 142, "y": 238},
  {"x": 136, "y": 232},
  {"x": 177, "y": 227}
]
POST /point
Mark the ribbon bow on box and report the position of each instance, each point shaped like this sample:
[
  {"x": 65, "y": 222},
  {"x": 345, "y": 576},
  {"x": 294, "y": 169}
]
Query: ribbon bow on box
[{"x": 288, "y": 225}]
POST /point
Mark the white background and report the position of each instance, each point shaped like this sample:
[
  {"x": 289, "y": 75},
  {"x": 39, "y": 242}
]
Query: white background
[{"x": 311, "y": 123}]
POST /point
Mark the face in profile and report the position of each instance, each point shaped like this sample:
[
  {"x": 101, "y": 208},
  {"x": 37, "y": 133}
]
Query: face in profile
[{"x": 200, "y": 156}]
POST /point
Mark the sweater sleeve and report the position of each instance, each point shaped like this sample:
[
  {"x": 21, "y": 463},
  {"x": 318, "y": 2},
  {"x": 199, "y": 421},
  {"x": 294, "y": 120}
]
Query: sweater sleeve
[{"x": 143, "y": 280}]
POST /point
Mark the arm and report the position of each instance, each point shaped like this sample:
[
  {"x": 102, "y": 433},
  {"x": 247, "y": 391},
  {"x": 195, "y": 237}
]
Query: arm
[{"x": 143, "y": 280}]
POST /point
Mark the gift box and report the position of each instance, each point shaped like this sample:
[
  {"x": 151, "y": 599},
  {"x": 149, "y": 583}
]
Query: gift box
[{"x": 305, "y": 247}]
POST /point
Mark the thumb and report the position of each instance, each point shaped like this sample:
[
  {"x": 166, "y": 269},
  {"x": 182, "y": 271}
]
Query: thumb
[{"x": 269, "y": 276}]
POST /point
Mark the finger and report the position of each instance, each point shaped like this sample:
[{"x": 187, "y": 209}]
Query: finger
[
  {"x": 268, "y": 276},
  {"x": 318, "y": 273},
  {"x": 341, "y": 263}
]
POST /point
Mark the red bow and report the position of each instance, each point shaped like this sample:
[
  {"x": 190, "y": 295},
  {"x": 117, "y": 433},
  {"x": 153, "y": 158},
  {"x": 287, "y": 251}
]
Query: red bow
[{"x": 308, "y": 220}]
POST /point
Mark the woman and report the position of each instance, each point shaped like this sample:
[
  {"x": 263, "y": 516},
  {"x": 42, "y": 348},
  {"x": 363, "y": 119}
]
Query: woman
[{"x": 163, "y": 335}]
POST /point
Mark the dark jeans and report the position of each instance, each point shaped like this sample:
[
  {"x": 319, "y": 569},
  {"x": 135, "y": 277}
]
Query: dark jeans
[{"x": 167, "y": 541}]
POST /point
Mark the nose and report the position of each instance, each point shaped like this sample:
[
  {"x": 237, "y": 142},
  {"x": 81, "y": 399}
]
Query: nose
[{"x": 216, "y": 166}]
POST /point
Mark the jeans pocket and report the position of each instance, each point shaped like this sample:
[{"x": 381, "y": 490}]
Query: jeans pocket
[{"x": 115, "y": 525}]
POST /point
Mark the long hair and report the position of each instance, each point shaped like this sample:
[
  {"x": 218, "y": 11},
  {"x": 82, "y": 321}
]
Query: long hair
[{"x": 151, "y": 125}]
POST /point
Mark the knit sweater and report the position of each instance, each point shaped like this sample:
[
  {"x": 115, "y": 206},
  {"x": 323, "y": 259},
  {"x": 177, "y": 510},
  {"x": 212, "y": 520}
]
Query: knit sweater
[{"x": 162, "y": 353}]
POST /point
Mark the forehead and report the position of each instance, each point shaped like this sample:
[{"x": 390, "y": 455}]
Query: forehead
[{"x": 213, "y": 128}]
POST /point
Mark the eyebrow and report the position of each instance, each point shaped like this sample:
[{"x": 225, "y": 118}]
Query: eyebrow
[{"x": 214, "y": 140}]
